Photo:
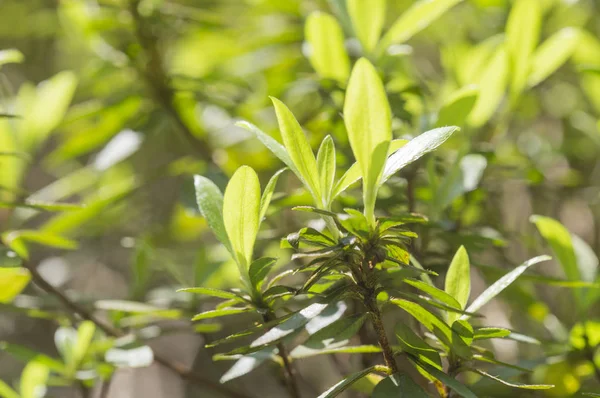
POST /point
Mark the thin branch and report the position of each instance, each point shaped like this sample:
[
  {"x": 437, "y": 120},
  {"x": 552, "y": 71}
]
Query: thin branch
[{"x": 110, "y": 330}]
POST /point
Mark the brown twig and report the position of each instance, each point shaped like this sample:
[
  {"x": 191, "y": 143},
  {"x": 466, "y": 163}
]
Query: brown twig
[{"x": 110, "y": 330}]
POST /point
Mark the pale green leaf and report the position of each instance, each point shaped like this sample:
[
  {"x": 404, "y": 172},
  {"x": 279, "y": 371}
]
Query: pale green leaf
[
  {"x": 522, "y": 35},
  {"x": 207, "y": 291},
  {"x": 219, "y": 313},
  {"x": 415, "y": 148},
  {"x": 551, "y": 54},
  {"x": 16, "y": 241},
  {"x": 307, "y": 352},
  {"x": 512, "y": 384},
  {"x": 33, "y": 380},
  {"x": 435, "y": 293},
  {"x": 85, "y": 334},
  {"x": 326, "y": 165},
  {"x": 368, "y": 121},
  {"x": 6, "y": 391},
  {"x": 327, "y": 53},
  {"x": 298, "y": 148},
  {"x": 265, "y": 199},
  {"x": 502, "y": 284},
  {"x": 11, "y": 56},
  {"x": 210, "y": 203},
  {"x": 334, "y": 335},
  {"x": 456, "y": 109},
  {"x": 12, "y": 281},
  {"x": 345, "y": 383},
  {"x": 418, "y": 17},
  {"x": 559, "y": 239},
  {"x": 241, "y": 207},
  {"x": 458, "y": 280},
  {"x": 368, "y": 17},
  {"x": 259, "y": 269},
  {"x": 398, "y": 386},
  {"x": 490, "y": 333}
]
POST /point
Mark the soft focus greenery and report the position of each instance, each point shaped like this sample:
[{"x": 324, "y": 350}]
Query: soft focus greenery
[{"x": 285, "y": 182}]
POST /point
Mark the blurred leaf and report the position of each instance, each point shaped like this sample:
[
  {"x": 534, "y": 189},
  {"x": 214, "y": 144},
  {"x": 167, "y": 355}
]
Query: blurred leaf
[
  {"x": 137, "y": 308},
  {"x": 398, "y": 386},
  {"x": 12, "y": 281},
  {"x": 11, "y": 56},
  {"x": 265, "y": 199},
  {"x": 6, "y": 391},
  {"x": 220, "y": 313},
  {"x": 490, "y": 333},
  {"x": 85, "y": 334},
  {"x": 211, "y": 292},
  {"x": 327, "y": 53},
  {"x": 138, "y": 357},
  {"x": 585, "y": 334},
  {"x": 118, "y": 149},
  {"x": 456, "y": 109},
  {"x": 247, "y": 363},
  {"x": 418, "y": 17},
  {"x": 367, "y": 18},
  {"x": 415, "y": 148},
  {"x": 515, "y": 385},
  {"x": 367, "y": 117},
  {"x": 326, "y": 166},
  {"x": 298, "y": 148},
  {"x": 492, "y": 85},
  {"x": 522, "y": 35},
  {"x": 552, "y": 54},
  {"x": 43, "y": 206},
  {"x": 210, "y": 203},
  {"x": 335, "y": 334},
  {"x": 25, "y": 354},
  {"x": 16, "y": 241},
  {"x": 33, "y": 380},
  {"x": 458, "y": 281},
  {"x": 345, "y": 383},
  {"x": 502, "y": 284}
]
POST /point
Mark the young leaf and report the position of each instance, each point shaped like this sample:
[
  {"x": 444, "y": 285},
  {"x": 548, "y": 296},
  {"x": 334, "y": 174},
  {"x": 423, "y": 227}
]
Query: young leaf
[
  {"x": 522, "y": 35},
  {"x": 458, "y": 106},
  {"x": 210, "y": 203},
  {"x": 368, "y": 120},
  {"x": 210, "y": 292},
  {"x": 298, "y": 148},
  {"x": 511, "y": 384},
  {"x": 12, "y": 281},
  {"x": 552, "y": 54},
  {"x": 326, "y": 166},
  {"x": 416, "y": 148},
  {"x": 327, "y": 53},
  {"x": 367, "y": 18},
  {"x": 419, "y": 16},
  {"x": 458, "y": 280},
  {"x": 241, "y": 207},
  {"x": 502, "y": 284},
  {"x": 398, "y": 386},
  {"x": 345, "y": 383},
  {"x": 259, "y": 270},
  {"x": 265, "y": 199}
]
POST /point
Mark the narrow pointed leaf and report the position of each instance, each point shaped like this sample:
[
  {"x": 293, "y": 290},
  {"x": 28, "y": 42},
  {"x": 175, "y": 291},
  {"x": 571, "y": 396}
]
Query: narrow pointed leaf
[
  {"x": 435, "y": 293},
  {"x": 327, "y": 55},
  {"x": 241, "y": 207},
  {"x": 398, "y": 386},
  {"x": 458, "y": 106},
  {"x": 450, "y": 382},
  {"x": 512, "y": 384},
  {"x": 6, "y": 391},
  {"x": 12, "y": 281},
  {"x": 219, "y": 313},
  {"x": 552, "y": 54},
  {"x": 345, "y": 383},
  {"x": 502, "y": 284},
  {"x": 326, "y": 166},
  {"x": 367, "y": 19},
  {"x": 33, "y": 379},
  {"x": 307, "y": 352},
  {"x": 247, "y": 364},
  {"x": 410, "y": 342},
  {"x": 265, "y": 199},
  {"x": 458, "y": 280},
  {"x": 490, "y": 333},
  {"x": 559, "y": 239},
  {"x": 417, "y": 147},
  {"x": 207, "y": 291},
  {"x": 210, "y": 203},
  {"x": 259, "y": 270}
]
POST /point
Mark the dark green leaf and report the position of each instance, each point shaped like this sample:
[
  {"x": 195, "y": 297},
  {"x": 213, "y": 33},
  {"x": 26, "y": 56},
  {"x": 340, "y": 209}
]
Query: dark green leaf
[{"x": 398, "y": 386}]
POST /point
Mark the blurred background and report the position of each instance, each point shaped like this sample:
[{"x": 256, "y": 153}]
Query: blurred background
[{"x": 115, "y": 104}]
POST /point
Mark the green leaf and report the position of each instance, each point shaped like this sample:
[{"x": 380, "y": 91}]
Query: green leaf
[
  {"x": 298, "y": 148},
  {"x": 435, "y": 293},
  {"x": 16, "y": 241},
  {"x": 247, "y": 364},
  {"x": 327, "y": 53},
  {"x": 326, "y": 166},
  {"x": 450, "y": 382},
  {"x": 335, "y": 334},
  {"x": 85, "y": 334},
  {"x": 456, "y": 109},
  {"x": 11, "y": 56},
  {"x": 345, "y": 383},
  {"x": 367, "y": 18},
  {"x": 241, "y": 208},
  {"x": 398, "y": 386},
  {"x": 411, "y": 343},
  {"x": 259, "y": 269},
  {"x": 458, "y": 280},
  {"x": 512, "y": 384},
  {"x": 207, "y": 291},
  {"x": 492, "y": 85},
  {"x": 353, "y": 174},
  {"x": 490, "y": 333},
  {"x": 551, "y": 54},
  {"x": 219, "y": 313},
  {"x": 44, "y": 206},
  {"x": 265, "y": 199},
  {"x": 210, "y": 203},
  {"x": 502, "y": 284},
  {"x": 12, "y": 281},
  {"x": 6, "y": 391},
  {"x": 27, "y": 355},
  {"x": 306, "y": 352},
  {"x": 418, "y": 17},
  {"x": 368, "y": 121},
  {"x": 415, "y": 148},
  {"x": 522, "y": 35},
  {"x": 559, "y": 239},
  {"x": 33, "y": 379}
]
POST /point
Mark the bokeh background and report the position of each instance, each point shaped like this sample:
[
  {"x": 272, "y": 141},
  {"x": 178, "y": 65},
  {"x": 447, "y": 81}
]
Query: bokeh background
[{"x": 120, "y": 102}]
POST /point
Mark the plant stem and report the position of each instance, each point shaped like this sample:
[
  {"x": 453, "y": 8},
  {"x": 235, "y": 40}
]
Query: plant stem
[
  {"x": 388, "y": 353},
  {"x": 110, "y": 330},
  {"x": 289, "y": 374}
]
